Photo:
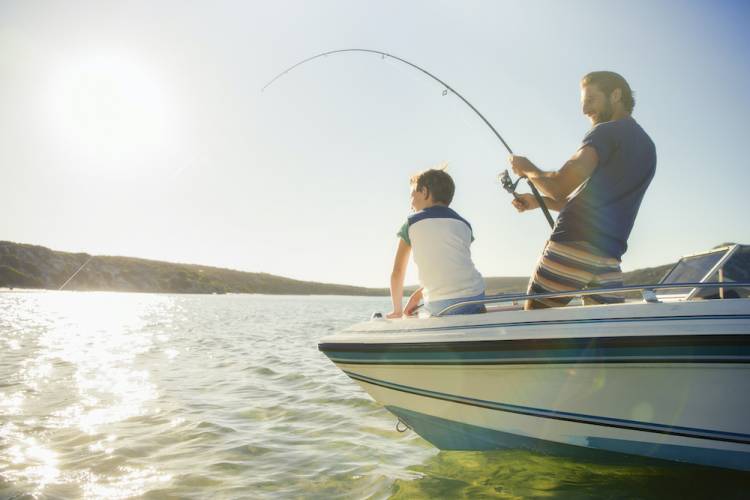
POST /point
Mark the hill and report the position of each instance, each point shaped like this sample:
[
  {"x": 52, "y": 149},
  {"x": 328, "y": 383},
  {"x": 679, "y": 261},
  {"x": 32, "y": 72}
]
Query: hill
[
  {"x": 645, "y": 276},
  {"x": 32, "y": 266}
]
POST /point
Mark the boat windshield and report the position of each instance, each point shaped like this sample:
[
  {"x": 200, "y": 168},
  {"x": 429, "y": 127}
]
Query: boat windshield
[
  {"x": 694, "y": 268},
  {"x": 737, "y": 267},
  {"x": 728, "y": 263}
]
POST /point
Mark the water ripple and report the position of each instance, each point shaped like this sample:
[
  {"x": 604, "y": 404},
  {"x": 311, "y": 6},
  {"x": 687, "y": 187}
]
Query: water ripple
[
  {"x": 108, "y": 395},
  {"x": 119, "y": 395}
]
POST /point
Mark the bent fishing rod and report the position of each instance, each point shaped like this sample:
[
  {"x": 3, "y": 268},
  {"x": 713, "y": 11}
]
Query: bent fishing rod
[{"x": 383, "y": 55}]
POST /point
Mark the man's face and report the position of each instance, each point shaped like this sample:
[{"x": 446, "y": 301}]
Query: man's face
[{"x": 595, "y": 104}]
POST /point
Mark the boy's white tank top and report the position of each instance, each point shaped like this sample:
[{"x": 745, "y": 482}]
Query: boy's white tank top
[{"x": 440, "y": 241}]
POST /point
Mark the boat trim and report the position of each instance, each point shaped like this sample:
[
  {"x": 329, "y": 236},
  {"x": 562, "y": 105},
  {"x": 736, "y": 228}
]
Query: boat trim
[
  {"x": 689, "y": 432},
  {"x": 557, "y": 322},
  {"x": 647, "y": 291}
]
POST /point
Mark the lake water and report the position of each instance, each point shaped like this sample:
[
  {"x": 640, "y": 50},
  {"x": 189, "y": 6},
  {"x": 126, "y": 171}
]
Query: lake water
[{"x": 114, "y": 395}]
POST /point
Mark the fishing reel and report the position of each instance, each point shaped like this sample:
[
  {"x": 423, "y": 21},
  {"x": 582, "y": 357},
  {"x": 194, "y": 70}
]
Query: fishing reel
[
  {"x": 507, "y": 182},
  {"x": 510, "y": 186}
]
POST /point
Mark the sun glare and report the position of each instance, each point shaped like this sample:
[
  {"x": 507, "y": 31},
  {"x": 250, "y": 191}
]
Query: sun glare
[{"x": 109, "y": 107}]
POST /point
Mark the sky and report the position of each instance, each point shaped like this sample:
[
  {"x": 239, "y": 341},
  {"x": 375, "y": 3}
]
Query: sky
[{"x": 140, "y": 129}]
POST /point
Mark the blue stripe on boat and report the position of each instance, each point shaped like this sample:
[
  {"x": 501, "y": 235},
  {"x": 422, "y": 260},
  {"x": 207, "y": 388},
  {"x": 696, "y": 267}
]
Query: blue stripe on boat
[
  {"x": 461, "y": 359},
  {"x": 638, "y": 349},
  {"x": 450, "y": 435},
  {"x": 561, "y": 415}
]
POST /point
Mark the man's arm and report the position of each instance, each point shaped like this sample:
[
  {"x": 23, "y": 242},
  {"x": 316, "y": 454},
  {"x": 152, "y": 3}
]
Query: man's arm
[
  {"x": 559, "y": 184},
  {"x": 397, "y": 278},
  {"x": 527, "y": 201}
]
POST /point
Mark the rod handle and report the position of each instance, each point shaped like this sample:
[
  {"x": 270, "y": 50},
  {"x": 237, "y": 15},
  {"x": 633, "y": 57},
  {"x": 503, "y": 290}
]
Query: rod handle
[{"x": 542, "y": 205}]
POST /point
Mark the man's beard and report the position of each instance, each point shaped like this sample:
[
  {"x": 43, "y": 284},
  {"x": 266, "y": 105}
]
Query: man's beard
[{"x": 604, "y": 115}]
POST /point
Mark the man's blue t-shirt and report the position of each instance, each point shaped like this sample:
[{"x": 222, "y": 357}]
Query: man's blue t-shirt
[{"x": 603, "y": 209}]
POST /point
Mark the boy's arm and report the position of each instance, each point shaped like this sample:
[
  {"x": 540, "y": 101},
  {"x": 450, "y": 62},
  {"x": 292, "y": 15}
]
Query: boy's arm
[
  {"x": 397, "y": 278},
  {"x": 413, "y": 301}
]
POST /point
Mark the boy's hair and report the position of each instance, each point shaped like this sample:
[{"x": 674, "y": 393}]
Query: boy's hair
[
  {"x": 438, "y": 184},
  {"x": 607, "y": 82}
]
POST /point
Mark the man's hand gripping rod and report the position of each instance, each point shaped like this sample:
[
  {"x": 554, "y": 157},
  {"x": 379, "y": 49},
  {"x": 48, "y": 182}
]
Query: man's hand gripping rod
[{"x": 510, "y": 187}]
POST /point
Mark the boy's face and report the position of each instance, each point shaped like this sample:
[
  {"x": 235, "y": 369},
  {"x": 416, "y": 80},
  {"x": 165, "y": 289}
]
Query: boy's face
[{"x": 419, "y": 199}]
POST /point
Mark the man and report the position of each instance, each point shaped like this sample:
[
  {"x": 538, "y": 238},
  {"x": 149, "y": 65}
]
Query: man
[{"x": 597, "y": 192}]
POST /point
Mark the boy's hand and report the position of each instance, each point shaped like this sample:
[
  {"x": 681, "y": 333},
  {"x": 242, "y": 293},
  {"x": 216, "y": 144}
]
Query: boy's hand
[
  {"x": 525, "y": 201},
  {"x": 394, "y": 315}
]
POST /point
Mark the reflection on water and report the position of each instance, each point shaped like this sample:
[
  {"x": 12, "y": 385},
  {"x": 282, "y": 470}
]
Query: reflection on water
[
  {"x": 106, "y": 395},
  {"x": 74, "y": 370},
  {"x": 522, "y": 474}
]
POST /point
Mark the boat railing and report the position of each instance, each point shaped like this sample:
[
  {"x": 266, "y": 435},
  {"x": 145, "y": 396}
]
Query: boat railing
[{"x": 647, "y": 292}]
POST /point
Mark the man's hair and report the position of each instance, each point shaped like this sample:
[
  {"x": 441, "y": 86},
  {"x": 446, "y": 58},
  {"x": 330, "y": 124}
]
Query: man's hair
[
  {"x": 607, "y": 82},
  {"x": 437, "y": 182}
]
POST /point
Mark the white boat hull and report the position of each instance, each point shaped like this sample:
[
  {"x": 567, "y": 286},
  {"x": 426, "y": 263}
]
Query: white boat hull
[{"x": 667, "y": 381}]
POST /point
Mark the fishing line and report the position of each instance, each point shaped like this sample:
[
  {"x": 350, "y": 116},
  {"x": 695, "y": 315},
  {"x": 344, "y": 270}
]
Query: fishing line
[
  {"x": 447, "y": 88},
  {"x": 76, "y": 273}
]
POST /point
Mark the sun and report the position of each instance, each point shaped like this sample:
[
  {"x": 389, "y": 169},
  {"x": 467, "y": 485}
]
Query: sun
[{"x": 110, "y": 107}]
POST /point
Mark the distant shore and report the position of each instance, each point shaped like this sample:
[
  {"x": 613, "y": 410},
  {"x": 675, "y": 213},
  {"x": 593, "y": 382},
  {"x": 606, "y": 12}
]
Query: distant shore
[{"x": 33, "y": 267}]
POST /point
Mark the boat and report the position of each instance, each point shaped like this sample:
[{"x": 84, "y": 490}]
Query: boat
[{"x": 664, "y": 375}]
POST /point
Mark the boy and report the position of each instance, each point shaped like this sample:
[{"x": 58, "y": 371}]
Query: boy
[{"x": 440, "y": 239}]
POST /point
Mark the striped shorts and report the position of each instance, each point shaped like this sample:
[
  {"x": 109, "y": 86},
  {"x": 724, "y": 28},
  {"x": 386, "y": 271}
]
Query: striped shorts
[{"x": 574, "y": 265}]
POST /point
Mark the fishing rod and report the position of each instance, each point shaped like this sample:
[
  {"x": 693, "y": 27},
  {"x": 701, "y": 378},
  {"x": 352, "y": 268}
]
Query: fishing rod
[{"x": 383, "y": 55}]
